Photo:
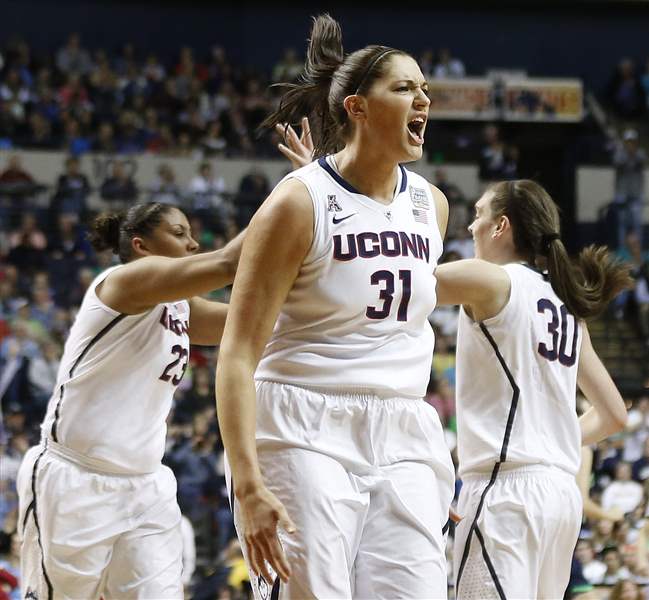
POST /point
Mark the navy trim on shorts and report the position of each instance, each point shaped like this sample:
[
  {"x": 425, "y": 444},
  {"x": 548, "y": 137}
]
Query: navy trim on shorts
[
  {"x": 446, "y": 526},
  {"x": 492, "y": 571},
  {"x": 274, "y": 594},
  {"x": 348, "y": 186},
  {"x": 92, "y": 342},
  {"x": 502, "y": 458},
  {"x": 50, "y": 589}
]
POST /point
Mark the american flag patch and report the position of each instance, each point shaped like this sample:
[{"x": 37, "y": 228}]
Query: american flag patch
[{"x": 421, "y": 216}]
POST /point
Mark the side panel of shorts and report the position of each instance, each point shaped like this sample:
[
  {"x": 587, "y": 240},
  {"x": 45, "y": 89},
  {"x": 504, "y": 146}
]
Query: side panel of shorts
[
  {"x": 33, "y": 581},
  {"x": 528, "y": 518},
  {"x": 78, "y": 518}
]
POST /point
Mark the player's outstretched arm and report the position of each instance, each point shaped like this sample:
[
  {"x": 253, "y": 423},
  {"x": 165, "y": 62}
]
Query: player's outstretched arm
[
  {"x": 150, "y": 280},
  {"x": 279, "y": 237},
  {"x": 480, "y": 286},
  {"x": 608, "y": 413},
  {"x": 592, "y": 510}
]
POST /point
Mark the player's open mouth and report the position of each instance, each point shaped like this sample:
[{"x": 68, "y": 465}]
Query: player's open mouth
[{"x": 416, "y": 129}]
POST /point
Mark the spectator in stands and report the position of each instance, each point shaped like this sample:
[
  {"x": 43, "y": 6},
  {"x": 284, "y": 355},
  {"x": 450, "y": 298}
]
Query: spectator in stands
[
  {"x": 496, "y": 160},
  {"x": 625, "y": 589},
  {"x": 40, "y": 135},
  {"x": 164, "y": 188},
  {"x": 72, "y": 190},
  {"x": 592, "y": 569},
  {"x": 615, "y": 570},
  {"x": 10, "y": 569},
  {"x": 427, "y": 63},
  {"x": 448, "y": 66},
  {"x": 288, "y": 68},
  {"x": 16, "y": 95},
  {"x": 629, "y": 160},
  {"x": 27, "y": 245},
  {"x": 131, "y": 138},
  {"x": 254, "y": 187},
  {"x": 206, "y": 195},
  {"x": 105, "y": 139},
  {"x": 14, "y": 173},
  {"x": 213, "y": 143},
  {"x": 459, "y": 210},
  {"x": 119, "y": 189},
  {"x": 42, "y": 372},
  {"x": 636, "y": 432},
  {"x": 42, "y": 307},
  {"x": 69, "y": 251},
  {"x": 72, "y": 58},
  {"x": 76, "y": 142},
  {"x": 622, "y": 492},
  {"x": 625, "y": 92}
]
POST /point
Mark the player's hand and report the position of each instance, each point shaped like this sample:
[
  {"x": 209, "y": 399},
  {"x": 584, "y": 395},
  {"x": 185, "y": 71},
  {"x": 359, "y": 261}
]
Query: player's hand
[
  {"x": 454, "y": 516},
  {"x": 262, "y": 513},
  {"x": 299, "y": 150}
]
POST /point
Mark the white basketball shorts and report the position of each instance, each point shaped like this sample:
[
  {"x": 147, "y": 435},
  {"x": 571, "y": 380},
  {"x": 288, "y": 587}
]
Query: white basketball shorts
[
  {"x": 517, "y": 534},
  {"x": 368, "y": 482},
  {"x": 88, "y": 534}
]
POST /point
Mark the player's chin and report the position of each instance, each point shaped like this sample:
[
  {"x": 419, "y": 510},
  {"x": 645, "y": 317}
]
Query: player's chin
[{"x": 413, "y": 153}]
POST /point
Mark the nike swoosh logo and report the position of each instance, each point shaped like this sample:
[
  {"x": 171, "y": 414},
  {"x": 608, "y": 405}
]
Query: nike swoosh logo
[{"x": 336, "y": 221}]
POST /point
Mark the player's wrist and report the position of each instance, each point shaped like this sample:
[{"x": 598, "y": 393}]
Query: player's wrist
[{"x": 248, "y": 487}]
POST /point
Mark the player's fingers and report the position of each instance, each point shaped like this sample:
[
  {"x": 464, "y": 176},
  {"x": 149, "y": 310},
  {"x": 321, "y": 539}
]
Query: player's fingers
[
  {"x": 285, "y": 130},
  {"x": 296, "y": 159},
  {"x": 455, "y": 517},
  {"x": 306, "y": 134},
  {"x": 265, "y": 572},
  {"x": 253, "y": 554},
  {"x": 285, "y": 522},
  {"x": 275, "y": 554}
]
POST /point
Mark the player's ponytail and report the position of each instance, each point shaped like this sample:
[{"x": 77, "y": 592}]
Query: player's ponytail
[
  {"x": 328, "y": 78},
  {"x": 586, "y": 284},
  {"x": 116, "y": 230}
]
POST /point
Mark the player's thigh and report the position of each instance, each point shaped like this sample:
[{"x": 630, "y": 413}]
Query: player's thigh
[
  {"x": 498, "y": 542},
  {"x": 402, "y": 550},
  {"x": 562, "y": 514},
  {"x": 65, "y": 549},
  {"x": 147, "y": 562},
  {"x": 328, "y": 511}
]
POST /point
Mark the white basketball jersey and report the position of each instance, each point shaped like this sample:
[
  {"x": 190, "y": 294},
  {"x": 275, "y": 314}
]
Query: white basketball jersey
[
  {"x": 356, "y": 317},
  {"x": 116, "y": 381},
  {"x": 517, "y": 381}
]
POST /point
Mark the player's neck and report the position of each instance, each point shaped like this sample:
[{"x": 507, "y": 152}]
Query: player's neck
[{"x": 370, "y": 175}]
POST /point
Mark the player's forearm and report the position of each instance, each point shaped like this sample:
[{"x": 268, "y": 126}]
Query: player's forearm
[
  {"x": 236, "y": 410},
  {"x": 594, "y": 428}
]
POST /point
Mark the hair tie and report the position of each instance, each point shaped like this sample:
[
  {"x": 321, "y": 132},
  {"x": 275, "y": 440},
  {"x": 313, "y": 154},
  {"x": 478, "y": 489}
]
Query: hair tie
[
  {"x": 546, "y": 241},
  {"x": 377, "y": 58}
]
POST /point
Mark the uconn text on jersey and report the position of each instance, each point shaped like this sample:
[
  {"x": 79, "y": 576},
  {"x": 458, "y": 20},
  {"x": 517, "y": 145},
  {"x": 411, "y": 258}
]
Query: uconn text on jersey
[{"x": 387, "y": 243}]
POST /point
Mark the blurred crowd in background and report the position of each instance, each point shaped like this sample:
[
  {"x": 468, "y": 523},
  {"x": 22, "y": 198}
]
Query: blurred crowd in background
[{"x": 205, "y": 108}]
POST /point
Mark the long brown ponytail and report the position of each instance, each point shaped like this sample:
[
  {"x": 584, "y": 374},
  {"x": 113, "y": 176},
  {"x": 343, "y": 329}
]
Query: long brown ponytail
[{"x": 587, "y": 283}]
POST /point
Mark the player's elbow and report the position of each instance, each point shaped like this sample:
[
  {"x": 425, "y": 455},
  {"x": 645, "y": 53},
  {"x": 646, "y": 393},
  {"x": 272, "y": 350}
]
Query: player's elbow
[{"x": 617, "y": 420}]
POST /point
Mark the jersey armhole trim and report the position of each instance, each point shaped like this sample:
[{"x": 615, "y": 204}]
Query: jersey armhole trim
[
  {"x": 309, "y": 258},
  {"x": 93, "y": 291}
]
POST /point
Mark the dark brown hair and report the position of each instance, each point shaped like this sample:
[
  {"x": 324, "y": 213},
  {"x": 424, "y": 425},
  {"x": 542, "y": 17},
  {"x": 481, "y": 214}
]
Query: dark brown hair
[
  {"x": 586, "y": 284},
  {"x": 115, "y": 230},
  {"x": 328, "y": 78}
]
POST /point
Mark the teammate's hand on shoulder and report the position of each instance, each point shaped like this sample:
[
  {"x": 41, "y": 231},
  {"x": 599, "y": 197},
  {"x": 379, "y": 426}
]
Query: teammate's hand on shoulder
[
  {"x": 299, "y": 150},
  {"x": 262, "y": 513}
]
